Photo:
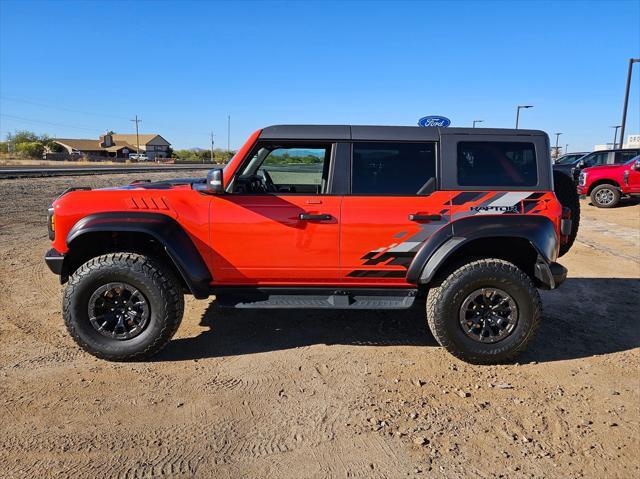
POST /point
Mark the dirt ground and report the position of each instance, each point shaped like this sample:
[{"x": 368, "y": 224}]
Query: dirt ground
[{"x": 320, "y": 394}]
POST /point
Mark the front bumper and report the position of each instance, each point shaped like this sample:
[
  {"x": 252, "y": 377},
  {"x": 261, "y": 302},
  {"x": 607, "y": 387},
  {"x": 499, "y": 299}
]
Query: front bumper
[
  {"x": 550, "y": 275},
  {"x": 582, "y": 190},
  {"x": 54, "y": 260}
]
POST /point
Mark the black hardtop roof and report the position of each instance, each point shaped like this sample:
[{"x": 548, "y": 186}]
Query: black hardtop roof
[{"x": 380, "y": 133}]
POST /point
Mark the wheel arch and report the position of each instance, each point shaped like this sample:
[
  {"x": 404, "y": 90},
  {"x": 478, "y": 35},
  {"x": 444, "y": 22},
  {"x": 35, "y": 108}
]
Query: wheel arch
[
  {"x": 603, "y": 181},
  {"x": 150, "y": 234},
  {"x": 522, "y": 240}
]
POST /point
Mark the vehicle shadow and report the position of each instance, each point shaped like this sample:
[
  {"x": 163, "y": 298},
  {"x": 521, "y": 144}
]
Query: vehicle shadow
[
  {"x": 585, "y": 317},
  {"x": 624, "y": 202}
]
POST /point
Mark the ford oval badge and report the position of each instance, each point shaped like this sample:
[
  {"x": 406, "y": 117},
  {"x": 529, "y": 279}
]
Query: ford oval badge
[{"x": 433, "y": 120}]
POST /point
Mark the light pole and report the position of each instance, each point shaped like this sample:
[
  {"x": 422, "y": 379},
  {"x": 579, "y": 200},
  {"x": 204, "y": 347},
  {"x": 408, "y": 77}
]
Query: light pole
[
  {"x": 566, "y": 148},
  {"x": 615, "y": 135},
  {"x": 557, "y": 138},
  {"x": 626, "y": 99},
  {"x": 518, "y": 113},
  {"x": 476, "y": 121}
]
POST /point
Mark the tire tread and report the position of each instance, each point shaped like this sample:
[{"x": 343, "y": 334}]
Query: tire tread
[
  {"x": 160, "y": 277},
  {"x": 436, "y": 321}
]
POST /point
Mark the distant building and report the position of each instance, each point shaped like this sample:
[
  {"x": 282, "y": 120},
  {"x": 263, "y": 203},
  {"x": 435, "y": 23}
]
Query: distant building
[
  {"x": 116, "y": 146},
  {"x": 633, "y": 141}
]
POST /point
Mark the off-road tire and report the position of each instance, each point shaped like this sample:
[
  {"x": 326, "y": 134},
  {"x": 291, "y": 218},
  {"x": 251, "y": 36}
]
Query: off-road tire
[
  {"x": 615, "y": 195},
  {"x": 445, "y": 300},
  {"x": 567, "y": 195},
  {"x": 157, "y": 283}
]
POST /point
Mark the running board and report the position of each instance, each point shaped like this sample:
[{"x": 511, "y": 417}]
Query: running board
[{"x": 310, "y": 299}]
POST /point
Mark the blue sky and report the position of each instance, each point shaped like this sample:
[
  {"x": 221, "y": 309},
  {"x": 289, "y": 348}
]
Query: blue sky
[{"x": 75, "y": 69}]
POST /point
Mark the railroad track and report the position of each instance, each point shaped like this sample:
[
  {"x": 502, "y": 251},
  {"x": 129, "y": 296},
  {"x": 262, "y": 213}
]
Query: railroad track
[{"x": 34, "y": 172}]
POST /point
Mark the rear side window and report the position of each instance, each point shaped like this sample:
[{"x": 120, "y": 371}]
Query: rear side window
[
  {"x": 392, "y": 168},
  {"x": 496, "y": 163}
]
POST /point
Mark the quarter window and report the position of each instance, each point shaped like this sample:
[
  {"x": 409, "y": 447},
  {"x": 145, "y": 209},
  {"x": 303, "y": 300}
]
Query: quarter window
[
  {"x": 392, "y": 168},
  {"x": 496, "y": 163}
]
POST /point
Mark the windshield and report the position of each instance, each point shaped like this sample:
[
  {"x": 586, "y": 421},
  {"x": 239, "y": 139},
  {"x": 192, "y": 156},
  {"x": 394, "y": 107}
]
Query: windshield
[{"x": 568, "y": 159}]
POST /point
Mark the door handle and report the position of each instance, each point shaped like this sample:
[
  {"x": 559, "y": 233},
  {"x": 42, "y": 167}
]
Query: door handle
[
  {"x": 417, "y": 217},
  {"x": 310, "y": 217}
]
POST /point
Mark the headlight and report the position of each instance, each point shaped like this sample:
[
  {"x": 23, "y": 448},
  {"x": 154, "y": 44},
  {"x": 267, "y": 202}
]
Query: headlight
[
  {"x": 51, "y": 224},
  {"x": 582, "y": 179}
]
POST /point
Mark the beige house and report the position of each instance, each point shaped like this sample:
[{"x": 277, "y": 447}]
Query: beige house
[{"x": 117, "y": 146}]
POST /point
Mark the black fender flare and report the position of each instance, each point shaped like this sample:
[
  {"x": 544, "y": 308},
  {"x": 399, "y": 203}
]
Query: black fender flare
[
  {"x": 538, "y": 230},
  {"x": 165, "y": 230}
]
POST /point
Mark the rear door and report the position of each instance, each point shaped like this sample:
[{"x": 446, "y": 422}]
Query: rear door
[{"x": 393, "y": 206}]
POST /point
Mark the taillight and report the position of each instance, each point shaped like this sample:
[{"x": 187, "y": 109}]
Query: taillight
[
  {"x": 51, "y": 224},
  {"x": 565, "y": 224}
]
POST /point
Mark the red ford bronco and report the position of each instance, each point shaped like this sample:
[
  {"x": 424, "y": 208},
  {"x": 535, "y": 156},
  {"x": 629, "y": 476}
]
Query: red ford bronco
[
  {"x": 354, "y": 217},
  {"x": 607, "y": 184}
]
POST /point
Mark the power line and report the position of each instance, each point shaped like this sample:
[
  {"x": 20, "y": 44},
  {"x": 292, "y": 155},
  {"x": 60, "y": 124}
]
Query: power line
[
  {"x": 102, "y": 115},
  {"x": 45, "y": 105},
  {"x": 14, "y": 117}
]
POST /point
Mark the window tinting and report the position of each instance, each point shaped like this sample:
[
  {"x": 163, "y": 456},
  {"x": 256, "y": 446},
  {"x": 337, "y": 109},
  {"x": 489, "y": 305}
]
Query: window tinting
[
  {"x": 595, "y": 159},
  {"x": 392, "y": 168},
  {"x": 496, "y": 163},
  {"x": 624, "y": 156}
]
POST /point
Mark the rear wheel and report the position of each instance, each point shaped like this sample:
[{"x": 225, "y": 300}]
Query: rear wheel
[
  {"x": 605, "y": 196},
  {"x": 567, "y": 195},
  {"x": 484, "y": 312},
  {"x": 122, "y": 306}
]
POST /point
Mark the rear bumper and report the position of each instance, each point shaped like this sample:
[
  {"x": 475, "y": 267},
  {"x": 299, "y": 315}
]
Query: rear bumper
[
  {"x": 54, "y": 261},
  {"x": 550, "y": 275}
]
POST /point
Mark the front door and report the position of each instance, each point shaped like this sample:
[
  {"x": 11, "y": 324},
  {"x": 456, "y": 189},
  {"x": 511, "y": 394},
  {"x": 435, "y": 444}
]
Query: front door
[
  {"x": 276, "y": 225},
  {"x": 393, "y": 208},
  {"x": 633, "y": 178}
]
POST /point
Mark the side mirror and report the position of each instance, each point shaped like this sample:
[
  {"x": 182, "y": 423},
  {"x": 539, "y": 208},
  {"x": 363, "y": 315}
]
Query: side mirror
[
  {"x": 636, "y": 165},
  {"x": 581, "y": 164},
  {"x": 215, "y": 185}
]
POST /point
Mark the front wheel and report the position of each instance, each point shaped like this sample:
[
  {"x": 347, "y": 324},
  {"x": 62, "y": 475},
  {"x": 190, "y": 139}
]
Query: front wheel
[
  {"x": 484, "y": 312},
  {"x": 605, "y": 196},
  {"x": 122, "y": 306}
]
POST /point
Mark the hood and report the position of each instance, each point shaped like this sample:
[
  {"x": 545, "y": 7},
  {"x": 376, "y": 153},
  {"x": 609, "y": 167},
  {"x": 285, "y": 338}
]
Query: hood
[
  {"x": 566, "y": 167},
  {"x": 603, "y": 168},
  {"x": 159, "y": 185}
]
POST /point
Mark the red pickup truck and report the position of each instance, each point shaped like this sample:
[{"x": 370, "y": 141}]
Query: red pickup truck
[{"x": 606, "y": 184}]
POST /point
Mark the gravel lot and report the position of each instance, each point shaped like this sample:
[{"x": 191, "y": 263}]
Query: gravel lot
[{"x": 320, "y": 394}]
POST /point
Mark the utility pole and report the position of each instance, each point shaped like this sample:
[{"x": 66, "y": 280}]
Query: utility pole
[
  {"x": 136, "y": 121},
  {"x": 557, "y": 150},
  {"x": 211, "y": 148},
  {"x": 557, "y": 138},
  {"x": 615, "y": 135},
  {"x": 518, "y": 113},
  {"x": 228, "y": 133},
  {"x": 476, "y": 121},
  {"x": 626, "y": 100}
]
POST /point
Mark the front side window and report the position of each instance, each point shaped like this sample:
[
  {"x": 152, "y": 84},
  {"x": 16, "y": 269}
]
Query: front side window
[
  {"x": 496, "y": 163},
  {"x": 286, "y": 169},
  {"x": 392, "y": 168},
  {"x": 595, "y": 159},
  {"x": 624, "y": 156}
]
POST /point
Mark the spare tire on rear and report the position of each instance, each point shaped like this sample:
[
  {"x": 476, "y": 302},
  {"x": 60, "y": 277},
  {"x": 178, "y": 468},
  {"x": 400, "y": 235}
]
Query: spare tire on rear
[{"x": 566, "y": 193}]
